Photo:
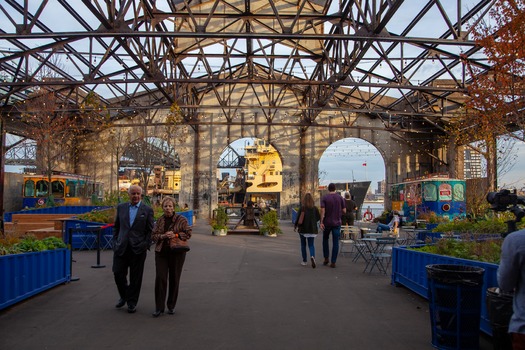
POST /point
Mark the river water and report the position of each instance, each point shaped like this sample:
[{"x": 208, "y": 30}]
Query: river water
[{"x": 376, "y": 208}]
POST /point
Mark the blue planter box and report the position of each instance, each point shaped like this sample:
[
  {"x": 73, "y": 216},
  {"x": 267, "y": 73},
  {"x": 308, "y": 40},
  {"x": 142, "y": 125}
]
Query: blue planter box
[
  {"x": 435, "y": 236},
  {"x": 188, "y": 214},
  {"x": 294, "y": 216},
  {"x": 27, "y": 274},
  {"x": 409, "y": 270},
  {"x": 430, "y": 227},
  {"x": 66, "y": 209},
  {"x": 85, "y": 234},
  {"x": 424, "y": 235}
]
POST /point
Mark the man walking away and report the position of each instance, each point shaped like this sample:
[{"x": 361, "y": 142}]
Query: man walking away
[{"x": 332, "y": 208}]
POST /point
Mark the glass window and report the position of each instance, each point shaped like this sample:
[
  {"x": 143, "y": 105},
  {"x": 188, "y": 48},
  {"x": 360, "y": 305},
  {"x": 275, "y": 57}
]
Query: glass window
[
  {"x": 29, "y": 188},
  {"x": 430, "y": 192},
  {"x": 81, "y": 189},
  {"x": 459, "y": 192},
  {"x": 410, "y": 194},
  {"x": 445, "y": 192},
  {"x": 413, "y": 193},
  {"x": 72, "y": 190},
  {"x": 41, "y": 188},
  {"x": 57, "y": 189}
]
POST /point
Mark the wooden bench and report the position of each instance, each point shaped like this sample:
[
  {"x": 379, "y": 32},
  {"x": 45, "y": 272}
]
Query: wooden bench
[
  {"x": 22, "y": 224},
  {"x": 45, "y": 232}
]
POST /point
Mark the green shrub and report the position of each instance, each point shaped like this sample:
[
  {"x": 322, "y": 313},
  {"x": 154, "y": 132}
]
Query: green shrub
[
  {"x": 113, "y": 198},
  {"x": 105, "y": 216},
  {"x": 220, "y": 221},
  {"x": 485, "y": 251},
  {"x": 29, "y": 244},
  {"x": 487, "y": 224},
  {"x": 270, "y": 223}
]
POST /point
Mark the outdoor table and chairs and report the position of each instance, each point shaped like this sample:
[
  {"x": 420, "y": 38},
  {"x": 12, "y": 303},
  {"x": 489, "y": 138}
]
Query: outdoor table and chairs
[
  {"x": 410, "y": 235},
  {"x": 378, "y": 253},
  {"x": 349, "y": 236},
  {"x": 373, "y": 235},
  {"x": 365, "y": 231}
]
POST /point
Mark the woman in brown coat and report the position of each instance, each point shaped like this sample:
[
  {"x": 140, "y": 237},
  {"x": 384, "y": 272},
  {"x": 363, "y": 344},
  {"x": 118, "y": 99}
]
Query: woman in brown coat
[{"x": 168, "y": 263}]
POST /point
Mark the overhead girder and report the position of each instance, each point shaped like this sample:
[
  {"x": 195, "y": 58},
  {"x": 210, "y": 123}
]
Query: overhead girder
[{"x": 144, "y": 54}]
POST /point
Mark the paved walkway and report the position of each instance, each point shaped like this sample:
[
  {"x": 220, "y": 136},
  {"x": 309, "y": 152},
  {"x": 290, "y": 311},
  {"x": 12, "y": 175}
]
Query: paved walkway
[{"x": 238, "y": 292}]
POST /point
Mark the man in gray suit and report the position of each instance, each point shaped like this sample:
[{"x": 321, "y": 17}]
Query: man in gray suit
[{"x": 131, "y": 240}]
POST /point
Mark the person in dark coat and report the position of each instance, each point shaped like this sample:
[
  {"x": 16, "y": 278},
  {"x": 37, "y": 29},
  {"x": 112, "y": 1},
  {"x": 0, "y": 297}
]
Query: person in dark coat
[
  {"x": 332, "y": 209},
  {"x": 308, "y": 227},
  {"x": 348, "y": 218},
  {"x": 131, "y": 240},
  {"x": 168, "y": 263}
]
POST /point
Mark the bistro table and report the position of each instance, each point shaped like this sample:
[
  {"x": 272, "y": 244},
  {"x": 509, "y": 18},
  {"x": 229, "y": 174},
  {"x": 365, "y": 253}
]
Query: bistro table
[
  {"x": 366, "y": 231},
  {"x": 377, "y": 248},
  {"x": 373, "y": 235},
  {"x": 368, "y": 247}
]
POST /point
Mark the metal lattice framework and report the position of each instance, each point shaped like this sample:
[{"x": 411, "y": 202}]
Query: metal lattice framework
[{"x": 401, "y": 61}]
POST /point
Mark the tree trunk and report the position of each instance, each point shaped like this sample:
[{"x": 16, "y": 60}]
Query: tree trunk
[{"x": 492, "y": 164}]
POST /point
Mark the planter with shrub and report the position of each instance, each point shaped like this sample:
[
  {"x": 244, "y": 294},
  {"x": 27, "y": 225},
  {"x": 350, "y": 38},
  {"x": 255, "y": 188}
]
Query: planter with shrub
[
  {"x": 29, "y": 266},
  {"x": 409, "y": 265},
  {"x": 270, "y": 224}
]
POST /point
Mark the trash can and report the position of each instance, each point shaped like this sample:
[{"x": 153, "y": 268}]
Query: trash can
[
  {"x": 454, "y": 295},
  {"x": 499, "y": 307}
]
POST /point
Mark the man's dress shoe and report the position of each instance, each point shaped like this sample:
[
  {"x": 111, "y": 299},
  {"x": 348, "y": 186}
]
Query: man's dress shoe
[{"x": 156, "y": 313}]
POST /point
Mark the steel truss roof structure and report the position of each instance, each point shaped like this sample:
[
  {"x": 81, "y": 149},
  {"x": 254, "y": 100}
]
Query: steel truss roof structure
[{"x": 389, "y": 59}]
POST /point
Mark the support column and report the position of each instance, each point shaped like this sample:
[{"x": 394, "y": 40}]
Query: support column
[
  {"x": 452, "y": 158},
  {"x": 302, "y": 163},
  {"x": 492, "y": 163},
  {"x": 195, "y": 179}
]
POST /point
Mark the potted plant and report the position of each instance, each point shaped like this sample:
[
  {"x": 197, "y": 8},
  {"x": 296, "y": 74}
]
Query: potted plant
[
  {"x": 270, "y": 224},
  {"x": 219, "y": 222}
]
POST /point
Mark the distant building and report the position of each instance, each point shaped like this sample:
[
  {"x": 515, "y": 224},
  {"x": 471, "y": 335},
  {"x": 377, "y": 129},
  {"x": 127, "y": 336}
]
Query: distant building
[
  {"x": 381, "y": 187},
  {"x": 472, "y": 164}
]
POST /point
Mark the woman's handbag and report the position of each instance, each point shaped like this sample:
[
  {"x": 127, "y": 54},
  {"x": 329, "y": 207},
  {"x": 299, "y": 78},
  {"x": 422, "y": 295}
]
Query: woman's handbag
[{"x": 178, "y": 245}]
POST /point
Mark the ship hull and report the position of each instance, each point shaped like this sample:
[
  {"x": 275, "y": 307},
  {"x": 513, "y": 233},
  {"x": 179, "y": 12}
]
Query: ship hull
[{"x": 358, "y": 190}]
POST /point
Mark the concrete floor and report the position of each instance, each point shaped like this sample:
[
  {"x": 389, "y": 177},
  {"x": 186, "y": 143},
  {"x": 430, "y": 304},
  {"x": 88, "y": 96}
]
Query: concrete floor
[{"x": 238, "y": 292}]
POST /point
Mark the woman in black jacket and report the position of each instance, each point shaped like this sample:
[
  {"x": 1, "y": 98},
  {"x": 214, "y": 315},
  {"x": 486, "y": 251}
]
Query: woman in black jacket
[{"x": 307, "y": 226}]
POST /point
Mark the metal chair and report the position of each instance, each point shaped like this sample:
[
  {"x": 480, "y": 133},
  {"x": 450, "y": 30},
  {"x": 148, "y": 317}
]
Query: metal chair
[
  {"x": 382, "y": 255},
  {"x": 86, "y": 239},
  {"x": 349, "y": 236},
  {"x": 106, "y": 239}
]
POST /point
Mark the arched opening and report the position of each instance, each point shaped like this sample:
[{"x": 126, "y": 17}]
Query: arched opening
[
  {"x": 154, "y": 164},
  {"x": 355, "y": 166},
  {"x": 249, "y": 170}
]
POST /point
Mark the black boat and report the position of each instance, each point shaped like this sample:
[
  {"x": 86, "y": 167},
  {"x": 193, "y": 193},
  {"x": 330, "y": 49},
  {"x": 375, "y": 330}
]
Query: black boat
[{"x": 357, "y": 189}]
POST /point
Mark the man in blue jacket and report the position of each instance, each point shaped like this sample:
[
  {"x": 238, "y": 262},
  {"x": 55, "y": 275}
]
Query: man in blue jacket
[{"x": 131, "y": 240}]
